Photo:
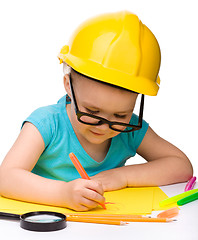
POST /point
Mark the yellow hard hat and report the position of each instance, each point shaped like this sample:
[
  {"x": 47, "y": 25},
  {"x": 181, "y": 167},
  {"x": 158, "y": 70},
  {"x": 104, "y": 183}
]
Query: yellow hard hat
[{"x": 116, "y": 48}]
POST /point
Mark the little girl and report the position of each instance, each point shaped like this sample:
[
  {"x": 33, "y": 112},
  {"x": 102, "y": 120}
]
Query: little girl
[{"x": 110, "y": 61}]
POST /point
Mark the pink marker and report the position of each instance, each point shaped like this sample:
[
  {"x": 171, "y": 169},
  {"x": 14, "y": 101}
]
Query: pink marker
[{"x": 190, "y": 184}]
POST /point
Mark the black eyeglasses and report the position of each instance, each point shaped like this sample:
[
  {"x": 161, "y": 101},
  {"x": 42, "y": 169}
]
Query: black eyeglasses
[{"x": 91, "y": 119}]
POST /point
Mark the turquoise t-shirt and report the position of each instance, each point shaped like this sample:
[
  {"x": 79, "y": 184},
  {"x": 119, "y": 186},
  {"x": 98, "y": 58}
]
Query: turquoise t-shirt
[{"x": 60, "y": 139}]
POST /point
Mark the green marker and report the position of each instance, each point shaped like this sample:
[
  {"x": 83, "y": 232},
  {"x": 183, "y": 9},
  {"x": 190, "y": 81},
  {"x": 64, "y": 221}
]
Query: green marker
[
  {"x": 177, "y": 198},
  {"x": 188, "y": 199}
]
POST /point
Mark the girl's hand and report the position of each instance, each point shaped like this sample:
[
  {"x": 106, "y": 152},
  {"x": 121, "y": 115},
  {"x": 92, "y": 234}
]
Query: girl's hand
[
  {"x": 112, "y": 179},
  {"x": 82, "y": 195}
]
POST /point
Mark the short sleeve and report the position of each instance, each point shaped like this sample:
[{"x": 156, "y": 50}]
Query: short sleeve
[{"x": 43, "y": 121}]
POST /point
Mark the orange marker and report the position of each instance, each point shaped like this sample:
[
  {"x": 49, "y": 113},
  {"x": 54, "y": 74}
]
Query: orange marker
[{"x": 81, "y": 170}]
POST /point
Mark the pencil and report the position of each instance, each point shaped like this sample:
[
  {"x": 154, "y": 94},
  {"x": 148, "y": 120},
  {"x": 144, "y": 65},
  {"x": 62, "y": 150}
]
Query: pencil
[
  {"x": 115, "y": 216},
  {"x": 147, "y": 219},
  {"x": 121, "y": 218},
  {"x": 81, "y": 170},
  {"x": 101, "y": 221}
]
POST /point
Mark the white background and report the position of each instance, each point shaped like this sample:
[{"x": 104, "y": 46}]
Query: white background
[{"x": 33, "y": 32}]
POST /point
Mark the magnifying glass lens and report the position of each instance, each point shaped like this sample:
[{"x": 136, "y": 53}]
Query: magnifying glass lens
[{"x": 44, "y": 218}]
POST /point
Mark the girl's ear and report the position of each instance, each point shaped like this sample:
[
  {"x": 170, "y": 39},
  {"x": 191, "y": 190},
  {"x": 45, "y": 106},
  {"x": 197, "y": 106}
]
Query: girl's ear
[{"x": 67, "y": 84}]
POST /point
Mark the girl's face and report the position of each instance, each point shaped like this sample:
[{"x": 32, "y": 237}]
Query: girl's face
[{"x": 101, "y": 100}]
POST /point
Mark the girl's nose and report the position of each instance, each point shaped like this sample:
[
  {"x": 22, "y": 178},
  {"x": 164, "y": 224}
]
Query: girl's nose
[{"x": 103, "y": 127}]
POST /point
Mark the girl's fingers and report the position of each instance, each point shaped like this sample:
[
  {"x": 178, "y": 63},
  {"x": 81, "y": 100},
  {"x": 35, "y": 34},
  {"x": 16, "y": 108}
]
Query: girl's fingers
[
  {"x": 93, "y": 196},
  {"x": 89, "y": 204},
  {"x": 96, "y": 186}
]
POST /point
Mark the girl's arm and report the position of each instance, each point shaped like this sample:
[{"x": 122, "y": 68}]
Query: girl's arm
[
  {"x": 165, "y": 165},
  {"x": 17, "y": 181}
]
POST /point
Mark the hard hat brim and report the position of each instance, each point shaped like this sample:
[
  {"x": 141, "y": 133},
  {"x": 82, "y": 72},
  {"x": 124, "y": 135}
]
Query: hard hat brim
[{"x": 113, "y": 76}]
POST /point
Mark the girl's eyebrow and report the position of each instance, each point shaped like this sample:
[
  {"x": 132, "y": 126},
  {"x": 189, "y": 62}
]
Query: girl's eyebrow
[
  {"x": 95, "y": 108},
  {"x": 122, "y": 112}
]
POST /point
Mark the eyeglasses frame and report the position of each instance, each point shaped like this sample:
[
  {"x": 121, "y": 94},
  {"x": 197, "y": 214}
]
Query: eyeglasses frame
[{"x": 102, "y": 120}]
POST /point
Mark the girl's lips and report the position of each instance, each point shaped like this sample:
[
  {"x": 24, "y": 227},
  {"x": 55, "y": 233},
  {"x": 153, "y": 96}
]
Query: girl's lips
[{"x": 97, "y": 134}]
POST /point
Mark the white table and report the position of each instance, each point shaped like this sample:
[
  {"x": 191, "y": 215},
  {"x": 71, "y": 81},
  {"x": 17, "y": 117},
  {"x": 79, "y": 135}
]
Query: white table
[{"x": 186, "y": 227}]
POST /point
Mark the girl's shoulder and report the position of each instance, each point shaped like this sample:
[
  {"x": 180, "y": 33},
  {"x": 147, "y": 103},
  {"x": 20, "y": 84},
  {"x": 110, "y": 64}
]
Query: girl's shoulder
[{"x": 49, "y": 119}]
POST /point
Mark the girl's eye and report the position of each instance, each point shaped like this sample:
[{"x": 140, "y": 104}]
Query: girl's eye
[
  {"x": 91, "y": 111},
  {"x": 96, "y": 112},
  {"x": 119, "y": 116}
]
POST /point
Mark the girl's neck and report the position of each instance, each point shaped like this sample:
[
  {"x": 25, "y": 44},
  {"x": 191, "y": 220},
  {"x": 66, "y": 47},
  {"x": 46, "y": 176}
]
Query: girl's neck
[{"x": 96, "y": 151}]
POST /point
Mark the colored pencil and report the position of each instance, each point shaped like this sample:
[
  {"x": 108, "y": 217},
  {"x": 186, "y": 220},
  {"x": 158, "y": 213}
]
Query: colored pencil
[
  {"x": 121, "y": 218},
  {"x": 100, "y": 221},
  {"x": 115, "y": 216}
]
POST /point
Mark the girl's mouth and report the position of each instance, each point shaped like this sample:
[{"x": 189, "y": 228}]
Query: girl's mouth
[{"x": 97, "y": 134}]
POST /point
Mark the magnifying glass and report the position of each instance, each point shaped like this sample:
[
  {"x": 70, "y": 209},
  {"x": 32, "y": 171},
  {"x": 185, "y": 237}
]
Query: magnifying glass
[{"x": 42, "y": 221}]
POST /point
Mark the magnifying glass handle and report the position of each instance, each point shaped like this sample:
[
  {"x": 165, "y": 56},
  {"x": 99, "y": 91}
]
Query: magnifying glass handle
[{"x": 10, "y": 216}]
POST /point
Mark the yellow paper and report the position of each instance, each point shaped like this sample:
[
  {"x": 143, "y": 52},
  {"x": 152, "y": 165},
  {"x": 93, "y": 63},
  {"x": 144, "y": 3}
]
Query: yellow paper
[{"x": 125, "y": 201}]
